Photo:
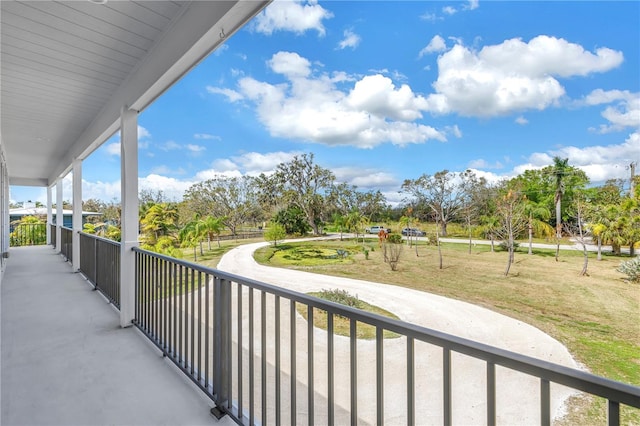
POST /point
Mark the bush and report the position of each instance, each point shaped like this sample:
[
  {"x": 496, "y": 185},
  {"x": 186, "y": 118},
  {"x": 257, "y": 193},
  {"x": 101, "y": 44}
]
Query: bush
[
  {"x": 631, "y": 268},
  {"x": 503, "y": 245},
  {"x": 340, "y": 296}
]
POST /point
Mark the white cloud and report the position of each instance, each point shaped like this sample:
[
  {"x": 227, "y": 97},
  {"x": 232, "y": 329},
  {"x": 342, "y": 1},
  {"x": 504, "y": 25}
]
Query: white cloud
[
  {"x": 366, "y": 178},
  {"x": 254, "y": 163},
  {"x": 310, "y": 107},
  {"x": 297, "y": 16},
  {"x": 350, "y": 39},
  {"x": 195, "y": 148},
  {"x": 512, "y": 76},
  {"x": 448, "y": 10},
  {"x": 172, "y": 188},
  {"x": 170, "y": 146},
  {"x": 113, "y": 148},
  {"x": 483, "y": 164},
  {"x": 521, "y": 120},
  {"x": 625, "y": 113},
  {"x": 437, "y": 44},
  {"x": 473, "y": 4},
  {"x": 143, "y": 133},
  {"x": 206, "y": 136},
  {"x": 290, "y": 65},
  {"x": 430, "y": 17},
  {"x": 232, "y": 95}
]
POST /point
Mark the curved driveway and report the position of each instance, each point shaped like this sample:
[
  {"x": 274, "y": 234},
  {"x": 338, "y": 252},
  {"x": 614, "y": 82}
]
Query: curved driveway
[{"x": 517, "y": 394}]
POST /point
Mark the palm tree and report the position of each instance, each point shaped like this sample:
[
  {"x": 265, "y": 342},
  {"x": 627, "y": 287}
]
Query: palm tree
[
  {"x": 538, "y": 216},
  {"x": 560, "y": 169},
  {"x": 213, "y": 226},
  {"x": 159, "y": 220},
  {"x": 356, "y": 221},
  {"x": 190, "y": 235}
]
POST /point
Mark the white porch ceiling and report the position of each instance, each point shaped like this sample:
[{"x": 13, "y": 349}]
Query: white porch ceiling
[{"x": 68, "y": 67}]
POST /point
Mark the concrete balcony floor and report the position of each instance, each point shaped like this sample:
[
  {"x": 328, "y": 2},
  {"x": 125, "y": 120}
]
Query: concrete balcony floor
[{"x": 66, "y": 361}]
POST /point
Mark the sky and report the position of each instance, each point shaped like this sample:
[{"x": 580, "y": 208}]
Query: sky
[{"x": 383, "y": 91}]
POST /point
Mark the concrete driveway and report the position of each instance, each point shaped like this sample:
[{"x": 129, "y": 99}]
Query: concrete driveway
[{"x": 517, "y": 394}]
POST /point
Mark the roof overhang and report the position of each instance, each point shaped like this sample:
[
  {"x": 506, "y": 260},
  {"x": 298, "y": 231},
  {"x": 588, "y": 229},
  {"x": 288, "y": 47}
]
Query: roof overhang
[{"x": 69, "y": 68}]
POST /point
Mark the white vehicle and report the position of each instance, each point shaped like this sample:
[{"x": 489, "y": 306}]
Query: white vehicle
[{"x": 376, "y": 229}]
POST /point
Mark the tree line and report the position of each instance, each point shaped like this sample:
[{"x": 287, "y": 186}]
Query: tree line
[{"x": 303, "y": 197}]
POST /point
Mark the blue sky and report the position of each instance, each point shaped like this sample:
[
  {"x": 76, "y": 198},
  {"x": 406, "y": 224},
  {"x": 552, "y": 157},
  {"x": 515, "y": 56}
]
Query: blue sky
[{"x": 384, "y": 91}]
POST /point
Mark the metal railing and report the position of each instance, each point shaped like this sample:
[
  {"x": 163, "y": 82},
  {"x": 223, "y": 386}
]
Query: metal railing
[
  {"x": 66, "y": 237},
  {"x": 100, "y": 263},
  {"x": 246, "y": 345},
  {"x": 52, "y": 230},
  {"x": 28, "y": 234}
]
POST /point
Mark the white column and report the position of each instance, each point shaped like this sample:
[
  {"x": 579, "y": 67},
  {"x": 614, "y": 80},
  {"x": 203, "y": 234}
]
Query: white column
[
  {"x": 77, "y": 212},
  {"x": 129, "y": 215},
  {"x": 59, "y": 215},
  {"x": 49, "y": 214}
]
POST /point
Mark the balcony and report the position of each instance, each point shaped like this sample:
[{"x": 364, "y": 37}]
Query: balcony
[{"x": 65, "y": 360}]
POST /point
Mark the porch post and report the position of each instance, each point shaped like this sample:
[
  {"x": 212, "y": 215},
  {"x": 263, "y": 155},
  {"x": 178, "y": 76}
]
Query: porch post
[
  {"x": 49, "y": 214},
  {"x": 129, "y": 215},
  {"x": 59, "y": 215},
  {"x": 77, "y": 212}
]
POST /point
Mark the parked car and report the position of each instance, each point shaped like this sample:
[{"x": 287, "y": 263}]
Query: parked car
[
  {"x": 413, "y": 231},
  {"x": 376, "y": 229}
]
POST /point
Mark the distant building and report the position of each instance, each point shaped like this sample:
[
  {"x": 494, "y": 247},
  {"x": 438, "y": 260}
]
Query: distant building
[{"x": 41, "y": 212}]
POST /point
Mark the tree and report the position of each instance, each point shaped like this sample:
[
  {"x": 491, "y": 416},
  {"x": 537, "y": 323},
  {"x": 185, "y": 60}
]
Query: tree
[
  {"x": 476, "y": 195},
  {"x": 443, "y": 195},
  {"x": 560, "y": 169},
  {"x": 275, "y": 232},
  {"x": 537, "y": 215},
  {"x": 513, "y": 220},
  {"x": 160, "y": 220},
  {"x": 213, "y": 226},
  {"x": 231, "y": 199},
  {"x": 306, "y": 185},
  {"x": 293, "y": 220},
  {"x": 392, "y": 249},
  {"x": 191, "y": 236},
  {"x": 356, "y": 222},
  {"x": 577, "y": 232}
]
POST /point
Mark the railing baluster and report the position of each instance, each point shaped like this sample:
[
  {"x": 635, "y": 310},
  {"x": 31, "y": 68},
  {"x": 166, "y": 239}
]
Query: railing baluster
[
  {"x": 446, "y": 370},
  {"x": 379, "y": 376},
  {"x": 330, "y": 369},
  {"x": 411, "y": 387},
  {"x": 176, "y": 284},
  {"x": 277, "y": 366},
  {"x": 491, "y": 394},
  {"x": 613, "y": 413},
  {"x": 310, "y": 366},
  {"x": 293, "y": 354},
  {"x": 263, "y": 354},
  {"x": 228, "y": 342},
  {"x": 240, "y": 352},
  {"x": 206, "y": 335},
  {"x": 193, "y": 321},
  {"x": 545, "y": 405},
  {"x": 353, "y": 346},
  {"x": 251, "y": 355},
  {"x": 199, "y": 327},
  {"x": 180, "y": 345}
]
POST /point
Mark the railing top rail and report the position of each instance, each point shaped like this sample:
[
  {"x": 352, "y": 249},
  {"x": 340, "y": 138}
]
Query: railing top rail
[
  {"x": 103, "y": 239},
  {"x": 580, "y": 380}
]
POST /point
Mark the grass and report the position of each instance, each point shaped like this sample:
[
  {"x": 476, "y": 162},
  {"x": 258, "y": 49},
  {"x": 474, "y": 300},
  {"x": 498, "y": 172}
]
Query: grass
[{"x": 596, "y": 316}]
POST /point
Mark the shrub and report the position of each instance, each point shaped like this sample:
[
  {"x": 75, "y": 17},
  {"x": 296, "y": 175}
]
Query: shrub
[
  {"x": 631, "y": 268},
  {"x": 340, "y": 296}
]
